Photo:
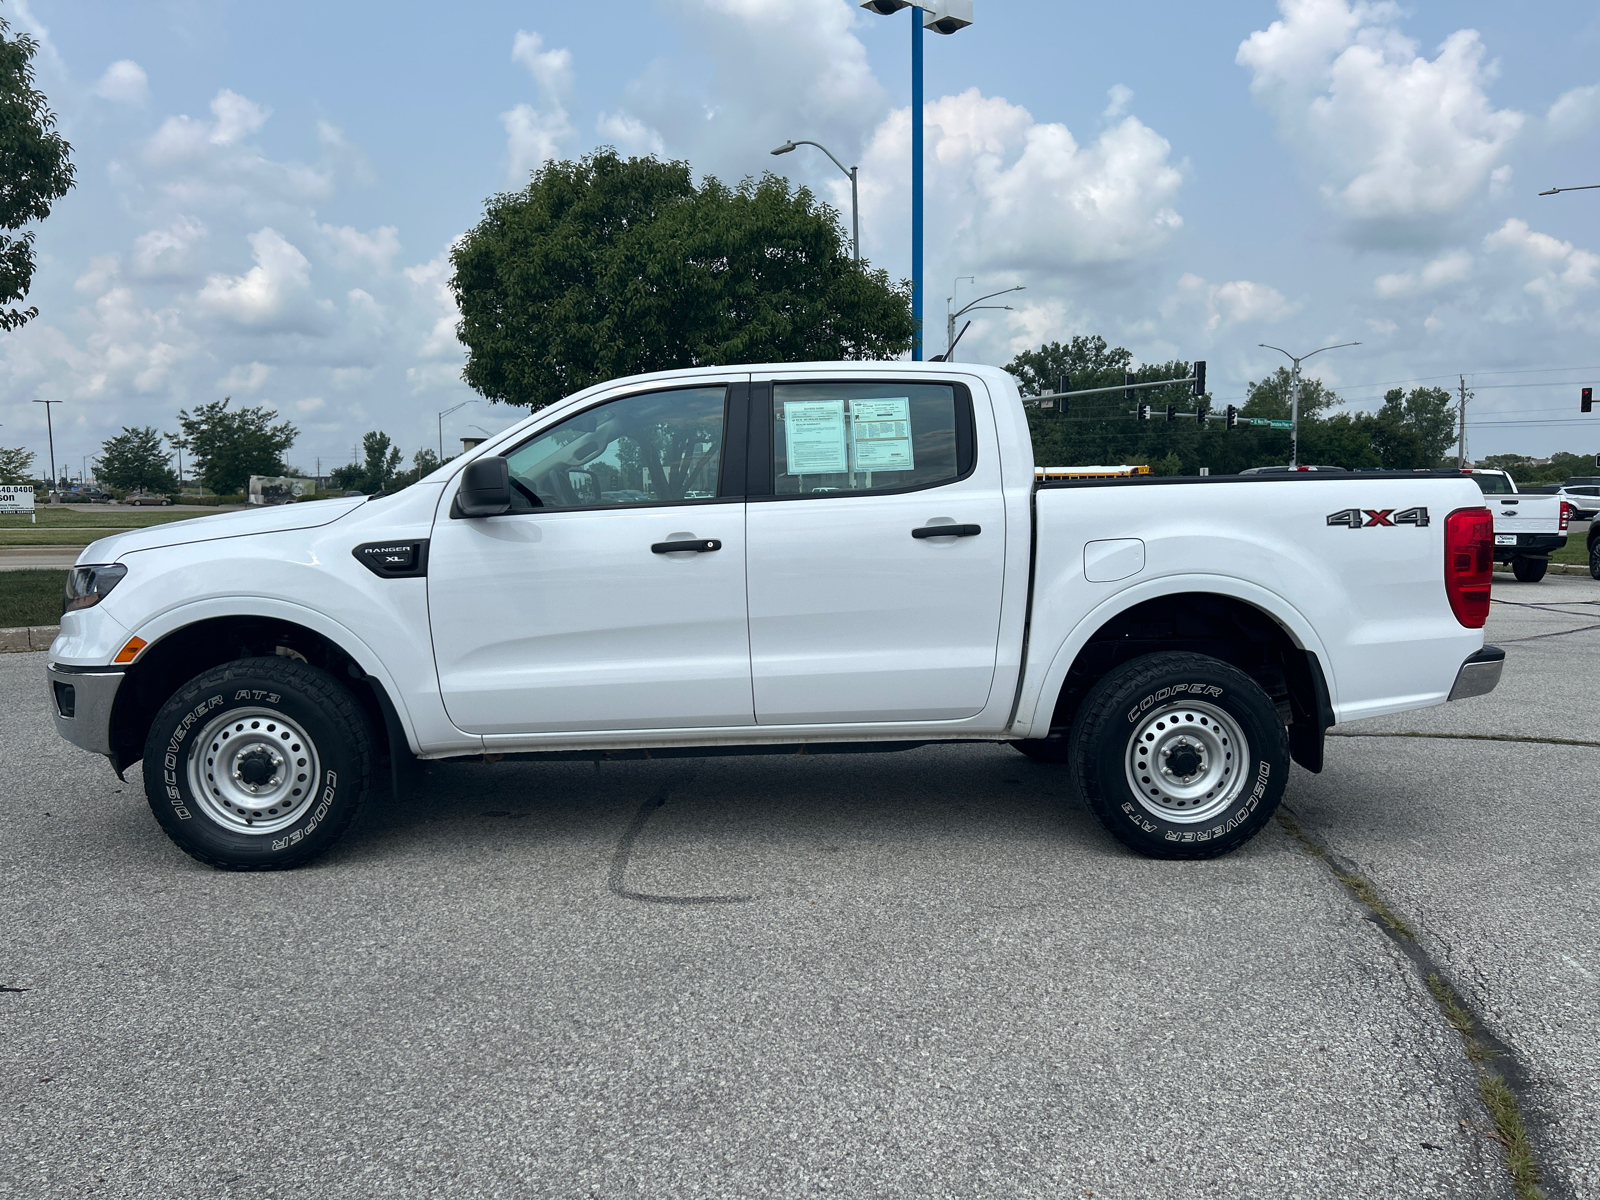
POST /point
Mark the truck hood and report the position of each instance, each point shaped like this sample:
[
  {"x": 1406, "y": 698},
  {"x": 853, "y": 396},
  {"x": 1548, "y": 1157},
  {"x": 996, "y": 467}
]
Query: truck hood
[{"x": 282, "y": 518}]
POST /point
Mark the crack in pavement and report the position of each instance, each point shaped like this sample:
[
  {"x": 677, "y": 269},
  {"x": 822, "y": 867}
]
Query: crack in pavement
[
  {"x": 1474, "y": 737},
  {"x": 616, "y": 880},
  {"x": 1558, "y": 633},
  {"x": 1503, "y": 1087}
]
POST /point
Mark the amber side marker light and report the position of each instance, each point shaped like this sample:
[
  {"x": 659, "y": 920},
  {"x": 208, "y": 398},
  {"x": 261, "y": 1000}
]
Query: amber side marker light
[{"x": 130, "y": 651}]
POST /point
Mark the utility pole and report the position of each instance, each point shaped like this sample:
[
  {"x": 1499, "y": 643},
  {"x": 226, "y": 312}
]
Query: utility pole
[
  {"x": 51, "y": 431},
  {"x": 1461, "y": 440}
]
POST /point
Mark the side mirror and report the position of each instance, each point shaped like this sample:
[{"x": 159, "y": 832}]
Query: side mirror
[
  {"x": 583, "y": 486},
  {"x": 485, "y": 488}
]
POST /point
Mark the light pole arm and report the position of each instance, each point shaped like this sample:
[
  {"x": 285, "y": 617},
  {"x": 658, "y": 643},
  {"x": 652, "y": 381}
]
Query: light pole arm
[
  {"x": 825, "y": 150},
  {"x": 974, "y": 303}
]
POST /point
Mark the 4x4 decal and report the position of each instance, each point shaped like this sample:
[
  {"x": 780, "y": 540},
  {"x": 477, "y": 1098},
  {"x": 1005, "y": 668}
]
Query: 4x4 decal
[{"x": 1366, "y": 518}]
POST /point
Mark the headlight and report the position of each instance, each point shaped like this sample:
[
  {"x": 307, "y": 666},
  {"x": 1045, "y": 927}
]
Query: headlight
[{"x": 87, "y": 586}]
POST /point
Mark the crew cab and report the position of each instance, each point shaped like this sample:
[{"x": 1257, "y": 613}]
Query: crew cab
[
  {"x": 1528, "y": 528},
  {"x": 813, "y": 558}
]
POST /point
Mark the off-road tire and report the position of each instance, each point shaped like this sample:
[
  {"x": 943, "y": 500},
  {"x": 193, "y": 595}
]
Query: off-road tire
[
  {"x": 1056, "y": 750},
  {"x": 1529, "y": 570},
  {"x": 1220, "y": 706},
  {"x": 294, "y": 720}
]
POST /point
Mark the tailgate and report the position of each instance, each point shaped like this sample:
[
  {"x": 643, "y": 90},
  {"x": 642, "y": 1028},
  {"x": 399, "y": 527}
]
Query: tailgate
[{"x": 1525, "y": 514}]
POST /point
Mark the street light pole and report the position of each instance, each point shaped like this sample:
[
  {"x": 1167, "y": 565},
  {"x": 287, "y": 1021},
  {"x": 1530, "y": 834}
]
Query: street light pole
[
  {"x": 51, "y": 431},
  {"x": 1582, "y": 187},
  {"x": 972, "y": 306},
  {"x": 1294, "y": 409},
  {"x": 943, "y": 16},
  {"x": 442, "y": 416},
  {"x": 855, "y": 199}
]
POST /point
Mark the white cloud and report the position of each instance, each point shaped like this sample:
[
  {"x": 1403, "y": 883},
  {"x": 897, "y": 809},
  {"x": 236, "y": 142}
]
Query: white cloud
[
  {"x": 183, "y": 137},
  {"x": 551, "y": 69},
  {"x": 124, "y": 82},
  {"x": 102, "y": 273},
  {"x": 432, "y": 280},
  {"x": 533, "y": 138},
  {"x": 245, "y": 378},
  {"x": 1231, "y": 303},
  {"x": 1573, "y": 112},
  {"x": 167, "y": 251},
  {"x": 1453, "y": 267},
  {"x": 352, "y": 247},
  {"x": 1120, "y": 96},
  {"x": 1564, "y": 274},
  {"x": 1019, "y": 195},
  {"x": 535, "y": 133},
  {"x": 630, "y": 135},
  {"x": 261, "y": 293},
  {"x": 1389, "y": 133},
  {"x": 309, "y": 405}
]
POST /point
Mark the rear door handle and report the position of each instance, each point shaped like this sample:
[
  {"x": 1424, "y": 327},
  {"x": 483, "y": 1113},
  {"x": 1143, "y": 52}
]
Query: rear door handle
[
  {"x": 698, "y": 546},
  {"x": 928, "y": 531}
]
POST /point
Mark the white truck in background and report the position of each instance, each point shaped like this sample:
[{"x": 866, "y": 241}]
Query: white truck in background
[
  {"x": 1528, "y": 528},
  {"x": 802, "y": 558}
]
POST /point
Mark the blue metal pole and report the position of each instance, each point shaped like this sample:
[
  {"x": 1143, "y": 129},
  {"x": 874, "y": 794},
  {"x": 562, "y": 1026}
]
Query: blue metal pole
[{"x": 916, "y": 179}]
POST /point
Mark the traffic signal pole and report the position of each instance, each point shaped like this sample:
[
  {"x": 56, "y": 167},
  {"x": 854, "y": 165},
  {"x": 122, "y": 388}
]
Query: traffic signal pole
[{"x": 916, "y": 182}]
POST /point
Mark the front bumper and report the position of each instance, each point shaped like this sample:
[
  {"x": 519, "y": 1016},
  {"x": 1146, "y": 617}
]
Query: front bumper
[
  {"x": 81, "y": 699},
  {"x": 1480, "y": 674}
]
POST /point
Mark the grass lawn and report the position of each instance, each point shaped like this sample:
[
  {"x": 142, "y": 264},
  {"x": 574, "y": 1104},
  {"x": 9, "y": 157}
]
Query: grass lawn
[
  {"x": 31, "y": 597},
  {"x": 78, "y": 525}
]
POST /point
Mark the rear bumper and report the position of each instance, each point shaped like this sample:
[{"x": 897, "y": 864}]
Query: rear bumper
[
  {"x": 1530, "y": 543},
  {"x": 81, "y": 699},
  {"x": 1480, "y": 674}
]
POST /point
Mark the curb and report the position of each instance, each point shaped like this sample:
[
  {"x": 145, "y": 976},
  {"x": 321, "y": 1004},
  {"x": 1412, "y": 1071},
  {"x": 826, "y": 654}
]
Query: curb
[
  {"x": 1554, "y": 569},
  {"x": 27, "y": 639}
]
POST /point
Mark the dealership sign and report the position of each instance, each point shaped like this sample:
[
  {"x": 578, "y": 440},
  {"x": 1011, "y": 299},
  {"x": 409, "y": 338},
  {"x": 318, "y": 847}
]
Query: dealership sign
[{"x": 15, "y": 498}]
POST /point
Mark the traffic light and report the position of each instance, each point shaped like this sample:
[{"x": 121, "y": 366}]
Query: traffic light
[
  {"x": 1172, "y": 413},
  {"x": 1064, "y": 384},
  {"x": 1201, "y": 411},
  {"x": 1588, "y": 400},
  {"x": 1233, "y": 416},
  {"x": 1144, "y": 412},
  {"x": 1127, "y": 383},
  {"x": 1200, "y": 378}
]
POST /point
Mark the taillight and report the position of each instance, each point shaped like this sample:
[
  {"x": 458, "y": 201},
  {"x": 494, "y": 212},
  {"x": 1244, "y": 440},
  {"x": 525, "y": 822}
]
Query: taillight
[
  {"x": 1469, "y": 564},
  {"x": 1566, "y": 515}
]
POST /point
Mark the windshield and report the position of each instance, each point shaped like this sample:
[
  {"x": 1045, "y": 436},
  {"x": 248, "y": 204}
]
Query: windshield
[{"x": 1493, "y": 483}]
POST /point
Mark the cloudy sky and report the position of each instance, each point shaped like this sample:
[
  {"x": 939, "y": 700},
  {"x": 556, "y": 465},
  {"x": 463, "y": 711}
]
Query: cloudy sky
[{"x": 267, "y": 193}]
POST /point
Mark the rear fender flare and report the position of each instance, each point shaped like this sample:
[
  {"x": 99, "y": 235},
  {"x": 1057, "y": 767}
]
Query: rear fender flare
[{"x": 1033, "y": 715}]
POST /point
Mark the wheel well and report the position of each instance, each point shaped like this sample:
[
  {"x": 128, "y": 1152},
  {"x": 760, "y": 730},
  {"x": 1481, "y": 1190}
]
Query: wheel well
[
  {"x": 181, "y": 655},
  {"x": 1221, "y": 627}
]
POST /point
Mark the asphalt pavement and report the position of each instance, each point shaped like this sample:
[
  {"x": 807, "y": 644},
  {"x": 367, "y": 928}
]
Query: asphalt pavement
[{"x": 907, "y": 975}]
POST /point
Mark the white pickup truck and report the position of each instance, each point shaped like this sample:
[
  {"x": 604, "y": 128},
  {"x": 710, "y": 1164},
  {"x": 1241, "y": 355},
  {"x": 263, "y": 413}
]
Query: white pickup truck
[
  {"x": 1527, "y": 527},
  {"x": 794, "y": 559}
]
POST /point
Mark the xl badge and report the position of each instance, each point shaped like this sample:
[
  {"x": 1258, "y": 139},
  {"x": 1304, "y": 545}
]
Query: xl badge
[{"x": 1366, "y": 518}]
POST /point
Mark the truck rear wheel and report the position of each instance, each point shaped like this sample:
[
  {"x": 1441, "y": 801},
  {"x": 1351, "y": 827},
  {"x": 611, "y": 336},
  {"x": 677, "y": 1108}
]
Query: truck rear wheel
[
  {"x": 258, "y": 765},
  {"x": 1180, "y": 755},
  {"x": 1529, "y": 570}
]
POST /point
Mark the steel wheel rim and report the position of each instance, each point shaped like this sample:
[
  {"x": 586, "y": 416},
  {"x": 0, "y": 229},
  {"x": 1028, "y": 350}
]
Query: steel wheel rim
[
  {"x": 253, "y": 771},
  {"x": 1186, "y": 761}
]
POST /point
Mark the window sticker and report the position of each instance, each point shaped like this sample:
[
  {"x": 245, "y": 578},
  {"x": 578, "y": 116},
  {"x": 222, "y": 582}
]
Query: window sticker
[
  {"x": 880, "y": 433},
  {"x": 813, "y": 432}
]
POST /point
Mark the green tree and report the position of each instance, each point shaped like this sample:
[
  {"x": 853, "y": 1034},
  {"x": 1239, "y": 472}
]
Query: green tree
[
  {"x": 383, "y": 461},
  {"x": 16, "y": 465},
  {"x": 228, "y": 446},
  {"x": 135, "y": 460},
  {"x": 1273, "y": 397},
  {"x": 1413, "y": 431},
  {"x": 610, "y": 266},
  {"x": 35, "y": 171}
]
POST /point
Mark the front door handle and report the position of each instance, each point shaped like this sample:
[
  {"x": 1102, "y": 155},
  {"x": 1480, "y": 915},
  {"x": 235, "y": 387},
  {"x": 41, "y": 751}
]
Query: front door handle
[
  {"x": 698, "y": 546},
  {"x": 928, "y": 531}
]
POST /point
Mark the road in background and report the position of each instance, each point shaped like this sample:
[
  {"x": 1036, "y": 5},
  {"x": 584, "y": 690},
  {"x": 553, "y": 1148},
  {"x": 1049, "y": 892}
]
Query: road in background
[{"x": 918, "y": 974}]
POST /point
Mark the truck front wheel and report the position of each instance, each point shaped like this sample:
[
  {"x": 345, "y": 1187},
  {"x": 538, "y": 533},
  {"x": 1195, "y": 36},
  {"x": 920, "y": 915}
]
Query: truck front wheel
[
  {"x": 1529, "y": 570},
  {"x": 258, "y": 765},
  {"x": 1180, "y": 755}
]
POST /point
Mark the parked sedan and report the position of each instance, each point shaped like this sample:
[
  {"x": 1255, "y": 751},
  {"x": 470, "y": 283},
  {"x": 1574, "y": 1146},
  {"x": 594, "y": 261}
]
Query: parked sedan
[{"x": 142, "y": 498}]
